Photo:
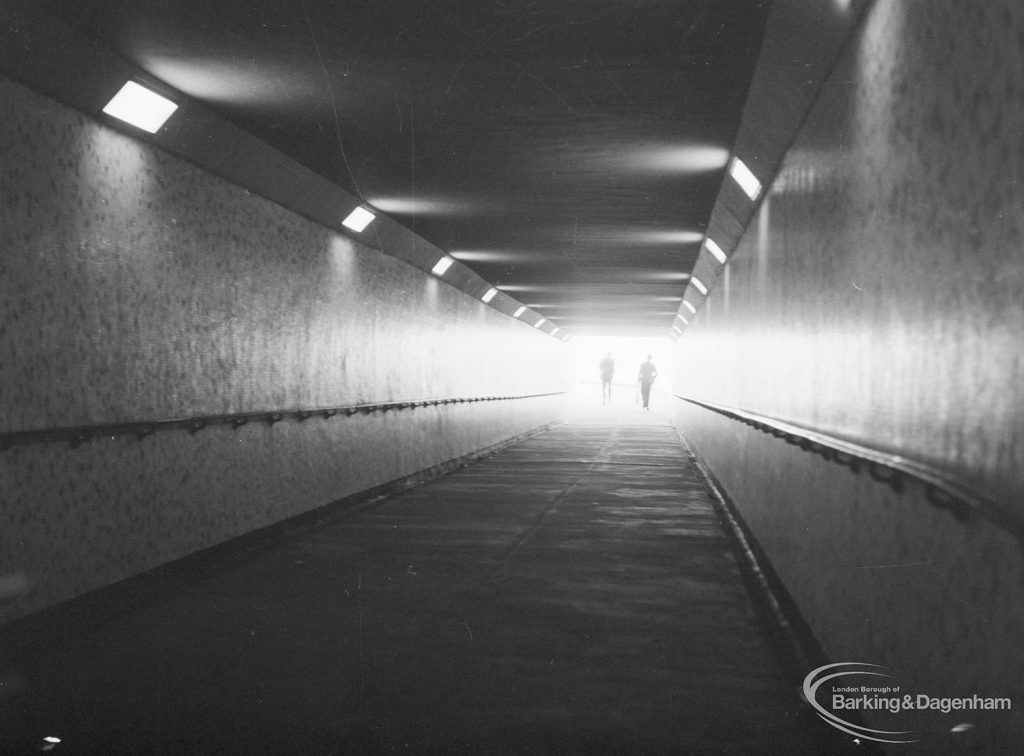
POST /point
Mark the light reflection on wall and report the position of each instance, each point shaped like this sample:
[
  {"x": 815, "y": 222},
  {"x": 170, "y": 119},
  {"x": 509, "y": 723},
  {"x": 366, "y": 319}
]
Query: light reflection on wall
[
  {"x": 725, "y": 289},
  {"x": 106, "y": 147},
  {"x": 627, "y": 159},
  {"x": 874, "y": 115},
  {"x": 424, "y": 205},
  {"x": 695, "y": 158},
  {"x": 341, "y": 258},
  {"x": 764, "y": 241},
  {"x": 213, "y": 80}
]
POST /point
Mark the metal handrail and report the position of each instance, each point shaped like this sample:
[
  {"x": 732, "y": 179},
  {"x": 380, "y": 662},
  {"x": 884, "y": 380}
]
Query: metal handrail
[
  {"x": 942, "y": 490},
  {"x": 79, "y": 434}
]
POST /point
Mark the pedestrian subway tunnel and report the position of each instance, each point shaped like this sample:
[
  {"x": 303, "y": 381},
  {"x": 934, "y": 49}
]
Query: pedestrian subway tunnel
[{"x": 217, "y": 399}]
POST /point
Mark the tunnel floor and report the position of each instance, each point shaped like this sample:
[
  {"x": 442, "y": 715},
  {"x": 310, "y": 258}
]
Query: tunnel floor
[{"x": 573, "y": 593}]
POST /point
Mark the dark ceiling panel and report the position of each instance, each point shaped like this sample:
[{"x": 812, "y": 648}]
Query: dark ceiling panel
[{"x": 574, "y": 143}]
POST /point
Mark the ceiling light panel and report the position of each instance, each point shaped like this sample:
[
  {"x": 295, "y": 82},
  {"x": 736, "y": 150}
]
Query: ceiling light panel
[
  {"x": 489, "y": 295},
  {"x": 141, "y": 107},
  {"x": 699, "y": 285},
  {"x": 715, "y": 250},
  {"x": 745, "y": 178},
  {"x": 441, "y": 266},
  {"x": 358, "y": 219}
]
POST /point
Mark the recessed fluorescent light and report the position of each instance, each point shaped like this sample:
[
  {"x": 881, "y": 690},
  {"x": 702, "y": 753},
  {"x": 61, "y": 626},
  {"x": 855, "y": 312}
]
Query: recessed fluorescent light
[
  {"x": 699, "y": 284},
  {"x": 540, "y": 322},
  {"x": 685, "y": 321},
  {"x": 140, "y": 107},
  {"x": 689, "y": 307},
  {"x": 441, "y": 266},
  {"x": 519, "y": 312},
  {"x": 555, "y": 331},
  {"x": 714, "y": 249},
  {"x": 358, "y": 219},
  {"x": 747, "y": 180},
  {"x": 489, "y": 295}
]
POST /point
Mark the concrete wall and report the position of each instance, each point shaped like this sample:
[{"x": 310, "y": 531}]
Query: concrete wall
[
  {"x": 878, "y": 295},
  {"x": 134, "y": 286}
]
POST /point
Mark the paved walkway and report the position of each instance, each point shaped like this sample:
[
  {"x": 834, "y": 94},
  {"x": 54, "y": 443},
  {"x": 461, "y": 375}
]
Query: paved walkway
[{"x": 572, "y": 594}]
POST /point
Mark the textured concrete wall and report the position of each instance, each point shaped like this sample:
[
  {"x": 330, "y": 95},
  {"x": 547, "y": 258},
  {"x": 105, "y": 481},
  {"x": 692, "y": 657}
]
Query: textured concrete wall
[
  {"x": 134, "y": 286},
  {"x": 878, "y": 295}
]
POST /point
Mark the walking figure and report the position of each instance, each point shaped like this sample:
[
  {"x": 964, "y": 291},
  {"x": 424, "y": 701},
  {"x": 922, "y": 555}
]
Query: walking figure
[
  {"x": 607, "y": 371},
  {"x": 647, "y": 375}
]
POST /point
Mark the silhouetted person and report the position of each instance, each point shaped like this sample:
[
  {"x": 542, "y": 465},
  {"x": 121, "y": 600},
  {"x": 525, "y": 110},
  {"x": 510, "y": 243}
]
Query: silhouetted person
[
  {"x": 647, "y": 375},
  {"x": 607, "y": 371}
]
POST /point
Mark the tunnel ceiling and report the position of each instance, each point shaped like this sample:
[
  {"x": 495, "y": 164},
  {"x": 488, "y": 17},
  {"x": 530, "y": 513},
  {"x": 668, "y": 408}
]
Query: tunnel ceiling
[{"x": 568, "y": 151}]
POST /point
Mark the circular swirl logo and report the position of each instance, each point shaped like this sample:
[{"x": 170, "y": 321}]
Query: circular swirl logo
[{"x": 830, "y": 672}]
